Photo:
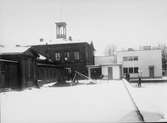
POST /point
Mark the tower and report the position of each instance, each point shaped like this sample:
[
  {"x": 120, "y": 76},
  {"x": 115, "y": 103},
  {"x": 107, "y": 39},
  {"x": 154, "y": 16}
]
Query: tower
[{"x": 61, "y": 30}]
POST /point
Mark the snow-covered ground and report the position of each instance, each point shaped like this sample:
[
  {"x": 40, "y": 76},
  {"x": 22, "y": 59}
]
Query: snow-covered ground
[
  {"x": 106, "y": 101},
  {"x": 151, "y": 98}
]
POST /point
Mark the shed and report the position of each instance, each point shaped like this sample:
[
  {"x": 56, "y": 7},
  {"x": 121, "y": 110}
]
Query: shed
[
  {"x": 108, "y": 71},
  {"x": 17, "y": 67}
]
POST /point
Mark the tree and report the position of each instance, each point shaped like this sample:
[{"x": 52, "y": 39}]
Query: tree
[
  {"x": 163, "y": 47},
  {"x": 110, "y": 50}
]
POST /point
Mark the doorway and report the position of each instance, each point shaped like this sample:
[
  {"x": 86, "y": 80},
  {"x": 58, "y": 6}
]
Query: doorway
[
  {"x": 110, "y": 73},
  {"x": 151, "y": 71},
  {"x": 2, "y": 76}
]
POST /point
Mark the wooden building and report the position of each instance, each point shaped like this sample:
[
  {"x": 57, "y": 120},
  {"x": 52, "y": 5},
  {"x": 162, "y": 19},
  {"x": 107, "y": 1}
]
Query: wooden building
[
  {"x": 17, "y": 68},
  {"x": 22, "y": 67},
  {"x": 72, "y": 56}
]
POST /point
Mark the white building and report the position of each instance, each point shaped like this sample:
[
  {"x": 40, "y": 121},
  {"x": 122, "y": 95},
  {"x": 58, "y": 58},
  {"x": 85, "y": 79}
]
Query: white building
[
  {"x": 109, "y": 68},
  {"x": 147, "y": 63},
  {"x": 111, "y": 71}
]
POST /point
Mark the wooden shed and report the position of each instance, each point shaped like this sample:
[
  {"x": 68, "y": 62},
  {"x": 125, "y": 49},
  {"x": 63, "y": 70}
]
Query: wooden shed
[{"x": 17, "y": 68}]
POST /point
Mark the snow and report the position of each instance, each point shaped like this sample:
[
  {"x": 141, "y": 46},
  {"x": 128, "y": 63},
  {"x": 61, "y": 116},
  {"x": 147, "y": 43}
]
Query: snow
[
  {"x": 87, "y": 103},
  {"x": 13, "y": 49},
  {"x": 24, "y": 46},
  {"x": 106, "y": 101},
  {"x": 57, "y": 41},
  {"x": 151, "y": 99},
  {"x": 42, "y": 57}
]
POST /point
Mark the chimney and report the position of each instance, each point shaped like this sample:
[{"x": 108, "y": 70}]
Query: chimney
[{"x": 70, "y": 38}]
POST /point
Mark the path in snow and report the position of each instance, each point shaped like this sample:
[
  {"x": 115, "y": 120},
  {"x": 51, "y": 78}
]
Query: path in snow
[
  {"x": 151, "y": 99},
  {"x": 108, "y": 102}
]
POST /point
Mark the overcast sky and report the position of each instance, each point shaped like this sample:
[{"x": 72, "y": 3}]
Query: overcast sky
[{"x": 124, "y": 23}]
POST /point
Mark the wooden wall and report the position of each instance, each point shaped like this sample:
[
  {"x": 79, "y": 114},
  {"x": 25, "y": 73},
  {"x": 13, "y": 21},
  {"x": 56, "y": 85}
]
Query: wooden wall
[
  {"x": 26, "y": 73},
  {"x": 50, "y": 73},
  {"x": 9, "y": 74}
]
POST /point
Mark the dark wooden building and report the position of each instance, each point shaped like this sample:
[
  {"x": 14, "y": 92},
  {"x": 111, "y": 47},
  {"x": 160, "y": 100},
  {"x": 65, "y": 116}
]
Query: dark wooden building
[
  {"x": 72, "y": 56},
  {"x": 17, "y": 69},
  {"x": 24, "y": 68}
]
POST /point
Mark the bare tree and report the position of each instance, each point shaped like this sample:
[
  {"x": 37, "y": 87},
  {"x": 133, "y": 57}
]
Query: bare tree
[
  {"x": 163, "y": 47},
  {"x": 110, "y": 50}
]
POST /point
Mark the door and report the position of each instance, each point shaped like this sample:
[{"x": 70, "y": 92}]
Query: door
[
  {"x": 151, "y": 71},
  {"x": 2, "y": 76},
  {"x": 110, "y": 73}
]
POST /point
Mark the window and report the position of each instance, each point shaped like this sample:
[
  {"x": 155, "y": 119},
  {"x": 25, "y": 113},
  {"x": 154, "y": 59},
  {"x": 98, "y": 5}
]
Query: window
[
  {"x": 125, "y": 70},
  {"x": 76, "y": 55},
  {"x": 66, "y": 56},
  {"x": 135, "y": 58},
  {"x": 131, "y": 70},
  {"x": 136, "y": 69},
  {"x": 57, "y": 56},
  {"x": 130, "y": 58},
  {"x": 125, "y": 58}
]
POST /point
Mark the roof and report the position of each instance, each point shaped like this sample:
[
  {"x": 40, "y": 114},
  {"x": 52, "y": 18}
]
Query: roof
[
  {"x": 99, "y": 65},
  {"x": 57, "y": 41},
  {"x": 4, "y": 60},
  {"x": 13, "y": 50},
  {"x": 139, "y": 50},
  {"x": 60, "y": 23}
]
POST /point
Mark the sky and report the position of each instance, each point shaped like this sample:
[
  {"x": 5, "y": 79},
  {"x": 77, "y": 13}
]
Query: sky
[{"x": 123, "y": 23}]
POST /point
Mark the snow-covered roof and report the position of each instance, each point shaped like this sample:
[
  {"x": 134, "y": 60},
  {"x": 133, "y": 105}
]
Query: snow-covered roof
[
  {"x": 57, "y": 41},
  {"x": 13, "y": 49}
]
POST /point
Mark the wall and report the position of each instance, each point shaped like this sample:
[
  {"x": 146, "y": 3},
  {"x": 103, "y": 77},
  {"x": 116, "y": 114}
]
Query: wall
[
  {"x": 9, "y": 74},
  {"x": 105, "y": 72},
  {"x": 85, "y": 51},
  {"x": 50, "y": 73},
  {"x": 115, "y": 71},
  {"x": 101, "y": 60}
]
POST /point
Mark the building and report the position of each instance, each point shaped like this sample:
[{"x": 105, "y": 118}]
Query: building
[
  {"x": 22, "y": 67},
  {"x": 105, "y": 60},
  {"x": 17, "y": 67},
  {"x": 70, "y": 55},
  {"x": 106, "y": 68},
  {"x": 146, "y": 63}
]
